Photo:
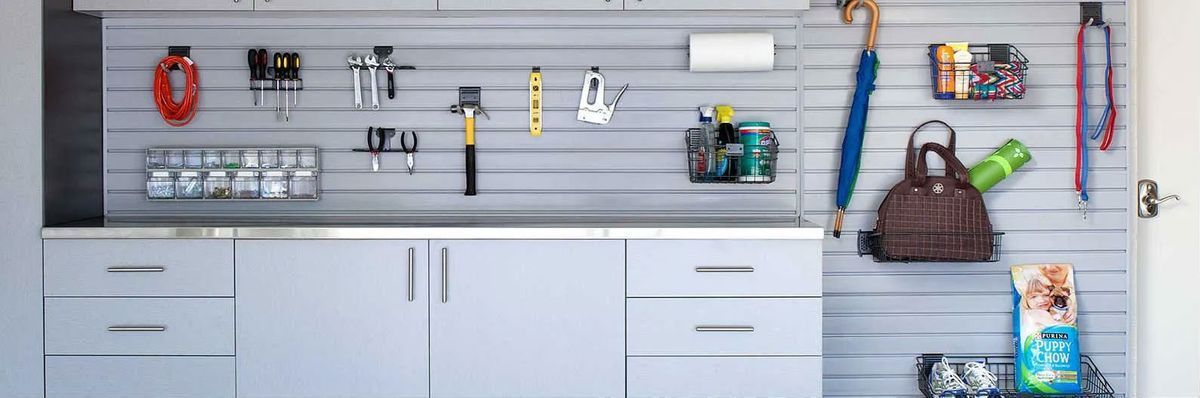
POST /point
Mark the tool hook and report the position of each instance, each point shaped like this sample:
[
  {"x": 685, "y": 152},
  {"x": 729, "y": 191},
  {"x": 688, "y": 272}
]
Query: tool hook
[{"x": 848, "y": 17}]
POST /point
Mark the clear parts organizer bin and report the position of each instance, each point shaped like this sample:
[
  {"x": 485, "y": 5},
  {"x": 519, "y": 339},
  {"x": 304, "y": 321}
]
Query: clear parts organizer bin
[{"x": 232, "y": 174}]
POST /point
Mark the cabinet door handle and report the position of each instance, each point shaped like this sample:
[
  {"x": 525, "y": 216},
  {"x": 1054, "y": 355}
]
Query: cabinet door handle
[
  {"x": 412, "y": 254},
  {"x": 706, "y": 268},
  {"x": 727, "y": 329},
  {"x": 137, "y": 328},
  {"x": 445, "y": 275},
  {"x": 137, "y": 269}
]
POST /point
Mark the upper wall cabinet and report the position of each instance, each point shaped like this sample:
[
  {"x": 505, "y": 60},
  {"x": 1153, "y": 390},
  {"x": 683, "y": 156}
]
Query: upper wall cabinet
[
  {"x": 716, "y": 5},
  {"x": 456, "y": 5},
  {"x": 344, "y": 5},
  {"x": 164, "y": 5}
]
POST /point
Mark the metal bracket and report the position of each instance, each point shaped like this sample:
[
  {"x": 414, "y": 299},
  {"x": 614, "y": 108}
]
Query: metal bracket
[
  {"x": 1092, "y": 11},
  {"x": 470, "y": 96},
  {"x": 179, "y": 51},
  {"x": 999, "y": 53},
  {"x": 383, "y": 51}
]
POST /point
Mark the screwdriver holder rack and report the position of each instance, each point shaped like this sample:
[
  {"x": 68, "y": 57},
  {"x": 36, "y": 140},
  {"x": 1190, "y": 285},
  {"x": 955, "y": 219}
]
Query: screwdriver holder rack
[{"x": 272, "y": 84}]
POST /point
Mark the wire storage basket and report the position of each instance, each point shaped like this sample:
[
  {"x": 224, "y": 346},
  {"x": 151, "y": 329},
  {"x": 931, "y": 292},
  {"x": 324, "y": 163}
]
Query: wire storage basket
[
  {"x": 1092, "y": 382},
  {"x": 911, "y": 247},
  {"x": 994, "y": 72},
  {"x": 731, "y": 163}
]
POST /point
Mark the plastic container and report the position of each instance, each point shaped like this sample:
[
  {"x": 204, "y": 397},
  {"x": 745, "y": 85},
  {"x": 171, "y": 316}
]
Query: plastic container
[
  {"x": 304, "y": 185},
  {"x": 250, "y": 159},
  {"x": 288, "y": 159},
  {"x": 193, "y": 159},
  {"x": 308, "y": 158},
  {"x": 212, "y": 160},
  {"x": 245, "y": 185},
  {"x": 174, "y": 159},
  {"x": 756, "y": 139},
  {"x": 188, "y": 185},
  {"x": 269, "y": 159},
  {"x": 160, "y": 185},
  {"x": 232, "y": 159},
  {"x": 274, "y": 185},
  {"x": 156, "y": 159},
  {"x": 217, "y": 185}
]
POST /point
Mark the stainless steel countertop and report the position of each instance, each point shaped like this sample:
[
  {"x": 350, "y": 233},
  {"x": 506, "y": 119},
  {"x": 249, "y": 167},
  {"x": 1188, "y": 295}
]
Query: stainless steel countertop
[{"x": 413, "y": 228}]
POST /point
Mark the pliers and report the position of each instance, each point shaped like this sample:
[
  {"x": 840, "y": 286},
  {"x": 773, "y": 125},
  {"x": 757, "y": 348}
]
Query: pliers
[
  {"x": 381, "y": 136},
  {"x": 409, "y": 152}
]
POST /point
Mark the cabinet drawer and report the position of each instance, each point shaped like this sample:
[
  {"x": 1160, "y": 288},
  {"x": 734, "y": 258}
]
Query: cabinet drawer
[
  {"x": 140, "y": 377},
  {"x": 740, "y": 326},
  {"x": 702, "y": 377},
  {"x": 139, "y": 268},
  {"x": 139, "y": 326},
  {"x": 731, "y": 268}
]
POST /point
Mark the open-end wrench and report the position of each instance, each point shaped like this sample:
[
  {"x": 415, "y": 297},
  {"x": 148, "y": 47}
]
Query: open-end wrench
[
  {"x": 356, "y": 64},
  {"x": 372, "y": 64}
]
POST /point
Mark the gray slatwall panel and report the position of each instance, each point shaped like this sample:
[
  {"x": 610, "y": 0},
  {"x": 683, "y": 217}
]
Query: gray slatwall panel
[
  {"x": 878, "y": 317},
  {"x": 635, "y": 165}
]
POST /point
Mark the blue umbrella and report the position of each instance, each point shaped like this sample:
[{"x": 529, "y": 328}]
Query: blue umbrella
[{"x": 852, "y": 142}]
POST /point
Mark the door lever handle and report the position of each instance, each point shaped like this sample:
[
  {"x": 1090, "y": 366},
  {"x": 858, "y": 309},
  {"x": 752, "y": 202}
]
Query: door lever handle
[{"x": 1148, "y": 199}]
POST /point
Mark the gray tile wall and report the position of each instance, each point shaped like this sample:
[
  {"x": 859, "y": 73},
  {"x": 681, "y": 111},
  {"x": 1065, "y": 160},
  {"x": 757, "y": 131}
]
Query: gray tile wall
[
  {"x": 634, "y": 166},
  {"x": 878, "y": 317}
]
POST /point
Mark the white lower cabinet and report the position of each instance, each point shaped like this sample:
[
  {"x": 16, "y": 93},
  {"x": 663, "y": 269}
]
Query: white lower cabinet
[
  {"x": 441, "y": 318},
  {"x": 528, "y": 319},
  {"x": 332, "y": 319}
]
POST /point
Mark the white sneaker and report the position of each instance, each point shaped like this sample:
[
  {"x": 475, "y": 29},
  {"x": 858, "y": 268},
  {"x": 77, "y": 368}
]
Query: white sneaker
[
  {"x": 980, "y": 381},
  {"x": 944, "y": 382}
]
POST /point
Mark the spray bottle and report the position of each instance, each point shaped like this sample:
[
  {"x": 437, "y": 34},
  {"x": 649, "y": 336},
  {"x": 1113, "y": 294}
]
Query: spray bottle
[
  {"x": 726, "y": 134},
  {"x": 708, "y": 136}
]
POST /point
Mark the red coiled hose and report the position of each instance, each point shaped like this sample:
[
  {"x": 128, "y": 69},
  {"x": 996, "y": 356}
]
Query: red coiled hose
[{"x": 177, "y": 114}]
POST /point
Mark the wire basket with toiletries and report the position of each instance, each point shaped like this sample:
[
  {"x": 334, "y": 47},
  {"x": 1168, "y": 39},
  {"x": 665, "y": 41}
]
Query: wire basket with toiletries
[
  {"x": 965, "y": 71},
  {"x": 751, "y": 160}
]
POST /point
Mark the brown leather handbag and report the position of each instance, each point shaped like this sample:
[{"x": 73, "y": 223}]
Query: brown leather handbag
[{"x": 934, "y": 218}]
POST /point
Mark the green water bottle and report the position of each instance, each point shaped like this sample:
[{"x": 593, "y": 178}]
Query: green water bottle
[{"x": 1002, "y": 163}]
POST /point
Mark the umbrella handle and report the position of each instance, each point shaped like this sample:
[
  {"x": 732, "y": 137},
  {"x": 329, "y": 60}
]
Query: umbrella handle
[{"x": 848, "y": 17}]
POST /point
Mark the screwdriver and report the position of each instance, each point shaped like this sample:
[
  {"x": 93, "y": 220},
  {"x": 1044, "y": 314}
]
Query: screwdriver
[
  {"x": 262, "y": 76},
  {"x": 278, "y": 76},
  {"x": 295, "y": 78},
  {"x": 287, "y": 77},
  {"x": 252, "y": 59}
]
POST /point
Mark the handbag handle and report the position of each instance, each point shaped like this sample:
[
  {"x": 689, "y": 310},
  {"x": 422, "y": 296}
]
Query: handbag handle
[
  {"x": 954, "y": 168},
  {"x": 911, "y": 156}
]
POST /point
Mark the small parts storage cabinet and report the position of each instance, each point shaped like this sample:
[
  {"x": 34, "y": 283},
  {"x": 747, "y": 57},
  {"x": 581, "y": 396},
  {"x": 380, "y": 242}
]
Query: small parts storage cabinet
[
  {"x": 724, "y": 318},
  {"x": 139, "y": 318},
  {"x": 432, "y": 318}
]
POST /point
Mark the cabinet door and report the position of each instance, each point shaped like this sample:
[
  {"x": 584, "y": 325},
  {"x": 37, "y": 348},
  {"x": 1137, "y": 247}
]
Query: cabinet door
[
  {"x": 163, "y": 5},
  {"x": 332, "y": 319},
  {"x": 527, "y": 319},
  {"x": 344, "y": 5},
  {"x": 716, "y": 5},
  {"x": 529, "y": 4}
]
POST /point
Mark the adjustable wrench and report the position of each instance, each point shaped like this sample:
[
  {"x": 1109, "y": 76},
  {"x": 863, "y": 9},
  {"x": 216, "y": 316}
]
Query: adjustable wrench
[
  {"x": 390, "y": 67},
  {"x": 372, "y": 64},
  {"x": 356, "y": 64}
]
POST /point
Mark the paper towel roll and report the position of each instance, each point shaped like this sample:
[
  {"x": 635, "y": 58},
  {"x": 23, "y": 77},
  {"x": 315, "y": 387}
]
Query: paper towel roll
[{"x": 732, "y": 52}]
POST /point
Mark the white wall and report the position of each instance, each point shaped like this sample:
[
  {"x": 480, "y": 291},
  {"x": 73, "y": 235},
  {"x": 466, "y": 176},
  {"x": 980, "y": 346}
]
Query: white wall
[
  {"x": 20, "y": 198},
  {"x": 1167, "y": 307}
]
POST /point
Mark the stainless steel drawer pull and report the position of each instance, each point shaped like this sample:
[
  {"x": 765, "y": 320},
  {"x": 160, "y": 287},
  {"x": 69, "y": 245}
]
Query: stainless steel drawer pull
[
  {"x": 137, "y": 269},
  {"x": 412, "y": 254},
  {"x": 137, "y": 328},
  {"x": 445, "y": 275},
  {"x": 724, "y": 269},
  {"x": 733, "y": 329}
]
